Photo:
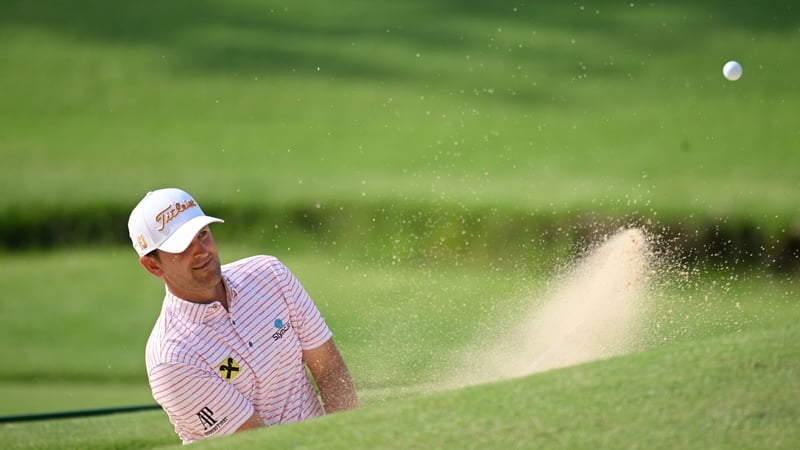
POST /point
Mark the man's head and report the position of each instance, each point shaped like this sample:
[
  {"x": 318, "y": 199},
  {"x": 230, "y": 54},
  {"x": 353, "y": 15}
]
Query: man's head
[
  {"x": 170, "y": 233},
  {"x": 166, "y": 219}
]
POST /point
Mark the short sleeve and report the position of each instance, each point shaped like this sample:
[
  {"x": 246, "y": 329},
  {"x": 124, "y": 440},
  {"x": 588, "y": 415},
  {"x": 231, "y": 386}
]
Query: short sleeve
[
  {"x": 309, "y": 324},
  {"x": 199, "y": 403}
]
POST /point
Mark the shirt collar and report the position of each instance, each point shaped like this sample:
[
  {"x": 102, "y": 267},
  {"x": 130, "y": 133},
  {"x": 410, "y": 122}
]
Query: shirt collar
[{"x": 196, "y": 313}]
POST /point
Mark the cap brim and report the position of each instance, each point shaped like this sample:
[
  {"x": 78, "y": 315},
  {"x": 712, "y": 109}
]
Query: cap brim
[{"x": 183, "y": 236}]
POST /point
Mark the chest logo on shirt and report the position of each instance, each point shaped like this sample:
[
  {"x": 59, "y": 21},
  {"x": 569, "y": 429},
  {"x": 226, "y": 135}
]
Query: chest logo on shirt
[
  {"x": 229, "y": 369},
  {"x": 282, "y": 329}
]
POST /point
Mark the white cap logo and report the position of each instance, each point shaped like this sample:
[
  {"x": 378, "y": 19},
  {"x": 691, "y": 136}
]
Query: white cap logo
[
  {"x": 172, "y": 211},
  {"x": 166, "y": 219}
]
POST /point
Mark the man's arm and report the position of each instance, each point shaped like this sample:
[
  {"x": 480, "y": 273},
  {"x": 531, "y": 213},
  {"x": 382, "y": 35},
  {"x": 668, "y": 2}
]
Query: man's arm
[
  {"x": 198, "y": 404},
  {"x": 332, "y": 377},
  {"x": 253, "y": 422}
]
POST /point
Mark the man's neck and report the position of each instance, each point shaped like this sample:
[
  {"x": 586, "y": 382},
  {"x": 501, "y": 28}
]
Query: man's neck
[{"x": 216, "y": 294}]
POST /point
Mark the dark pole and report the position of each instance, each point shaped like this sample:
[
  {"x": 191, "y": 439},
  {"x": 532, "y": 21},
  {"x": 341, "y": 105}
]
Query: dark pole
[{"x": 80, "y": 413}]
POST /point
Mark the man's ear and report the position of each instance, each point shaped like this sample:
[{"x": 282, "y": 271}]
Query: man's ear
[{"x": 151, "y": 265}]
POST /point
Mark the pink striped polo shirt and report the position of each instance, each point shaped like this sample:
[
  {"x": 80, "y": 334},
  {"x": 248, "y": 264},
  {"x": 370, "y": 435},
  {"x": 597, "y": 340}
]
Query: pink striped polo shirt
[{"x": 210, "y": 369}]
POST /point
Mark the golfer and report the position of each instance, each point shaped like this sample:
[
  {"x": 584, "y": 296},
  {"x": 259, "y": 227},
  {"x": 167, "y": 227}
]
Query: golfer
[{"x": 230, "y": 348}]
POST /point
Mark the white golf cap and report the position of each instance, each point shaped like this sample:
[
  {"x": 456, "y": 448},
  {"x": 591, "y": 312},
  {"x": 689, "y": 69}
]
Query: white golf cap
[{"x": 166, "y": 219}]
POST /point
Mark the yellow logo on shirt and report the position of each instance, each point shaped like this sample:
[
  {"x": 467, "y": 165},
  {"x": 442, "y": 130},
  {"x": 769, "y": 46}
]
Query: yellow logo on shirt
[{"x": 229, "y": 369}]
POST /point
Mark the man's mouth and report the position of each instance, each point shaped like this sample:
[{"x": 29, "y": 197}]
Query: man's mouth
[{"x": 203, "y": 265}]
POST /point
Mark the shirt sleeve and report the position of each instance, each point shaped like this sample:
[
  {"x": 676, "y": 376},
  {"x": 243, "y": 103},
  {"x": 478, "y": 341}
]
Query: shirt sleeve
[
  {"x": 309, "y": 324},
  {"x": 199, "y": 404}
]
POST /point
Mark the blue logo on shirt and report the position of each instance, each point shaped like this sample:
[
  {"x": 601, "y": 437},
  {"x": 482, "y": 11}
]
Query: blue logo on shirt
[{"x": 282, "y": 329}]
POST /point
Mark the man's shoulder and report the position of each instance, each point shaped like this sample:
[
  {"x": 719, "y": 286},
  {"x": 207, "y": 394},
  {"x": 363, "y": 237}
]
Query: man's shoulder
[
  {"x": 170, "y": 340},
  {"x": 262, "y": 265},
  {"x": 252, "y": 262}
]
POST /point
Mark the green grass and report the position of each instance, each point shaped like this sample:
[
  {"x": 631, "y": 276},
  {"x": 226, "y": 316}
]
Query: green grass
[
  {"x": 719, "y": 349},
  {"x": 731, "y": 391},
  {"x": 404, "y": 147},
  {"x": 545, "y": 107}
]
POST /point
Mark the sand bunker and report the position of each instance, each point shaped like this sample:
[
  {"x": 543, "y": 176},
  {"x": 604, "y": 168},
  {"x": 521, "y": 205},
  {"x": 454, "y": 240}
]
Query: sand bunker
[{"x": 590, "y": 312}]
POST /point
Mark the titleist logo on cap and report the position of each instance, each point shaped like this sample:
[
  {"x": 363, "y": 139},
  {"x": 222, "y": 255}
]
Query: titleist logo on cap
[{"x": 172, "y": 211}]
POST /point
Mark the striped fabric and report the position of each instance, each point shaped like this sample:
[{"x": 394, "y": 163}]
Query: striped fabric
[{"x": 210, "y": 369}]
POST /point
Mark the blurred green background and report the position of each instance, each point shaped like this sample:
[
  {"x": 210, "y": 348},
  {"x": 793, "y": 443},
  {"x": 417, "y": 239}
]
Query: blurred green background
[
  {"x": 602, "y": 105},
  {"x": 415, "y": 163}
]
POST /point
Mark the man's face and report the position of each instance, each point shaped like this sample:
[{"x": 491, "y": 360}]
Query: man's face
[{"x": 193, "y": 274}]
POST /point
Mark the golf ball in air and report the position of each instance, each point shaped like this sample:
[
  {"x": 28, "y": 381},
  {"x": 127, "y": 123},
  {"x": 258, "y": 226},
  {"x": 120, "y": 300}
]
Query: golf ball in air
[{"x": 732, "y": 70}]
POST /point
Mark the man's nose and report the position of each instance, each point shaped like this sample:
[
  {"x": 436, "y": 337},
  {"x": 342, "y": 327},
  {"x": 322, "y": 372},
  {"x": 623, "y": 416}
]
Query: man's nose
[{"x": 200, "y": 248}]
